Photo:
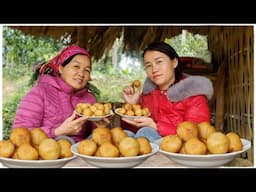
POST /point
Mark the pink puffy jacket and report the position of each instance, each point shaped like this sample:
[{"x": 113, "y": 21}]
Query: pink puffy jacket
[{"x": 49, "y": 103}]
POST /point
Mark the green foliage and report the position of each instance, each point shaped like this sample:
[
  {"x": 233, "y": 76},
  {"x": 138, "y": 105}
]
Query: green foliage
[
  {"x": 9, "y": 111},
  {"x": 112, "y": 82},
  {"x": 20, "y": 49},
  {"x": 188, "y": 44}
]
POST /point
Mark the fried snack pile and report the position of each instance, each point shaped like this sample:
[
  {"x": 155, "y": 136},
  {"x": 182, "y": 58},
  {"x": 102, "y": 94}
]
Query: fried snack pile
[
  {"x": 133, "y": 110},
  {"x": 96, "y": 109},
  {"x": 34, "y": 144},
  {"x": 113, "y": 142},
  {"x": 201, "y": 139}
]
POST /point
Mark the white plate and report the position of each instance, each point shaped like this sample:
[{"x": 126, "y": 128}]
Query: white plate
[
  {"x": 96, "y": 118},
  {"x": 128, "y": 116},
  {"x": 115, "y": 162},
  {"x": 16, "y": 163},
  {"x": 209, "y": 160}
]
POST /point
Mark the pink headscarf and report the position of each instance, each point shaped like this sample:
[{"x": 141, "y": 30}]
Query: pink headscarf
[{"x": 67, "y": 52}]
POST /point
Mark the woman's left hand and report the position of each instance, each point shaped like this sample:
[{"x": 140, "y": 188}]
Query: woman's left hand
[
  {"x": 141, "y": 122},
  {"x": 102, "y": 123}
]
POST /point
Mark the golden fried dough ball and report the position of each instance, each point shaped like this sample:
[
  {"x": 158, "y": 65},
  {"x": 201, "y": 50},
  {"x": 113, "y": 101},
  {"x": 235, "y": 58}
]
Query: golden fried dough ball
[
  {"x": 65, "y": 150},
  {"x": 101, "y": 135},
  {"x": 130, "y": 113},
  {"x": 117, "y": 134},
  {"x": 217, "y": 143},
  {"x": 128, "y": 106},
  {"x": 144, "y": 145},
  {"x": 27, "y": 152},
  {"x": 7, "y": 148},
  {"x": 145, "y": 111},
  {"x": 171, "y": 143},
  {"x": 129, "y": 147},
  {"x": 87, "y": 147},
  {"x": 182, "y": 149},
  {"x": 108, "y": 150},
  {"x": 37, "y": 135},
  {"x": 204, "y": 130},
  {"x": 93, "y": 108},
  {"x": 20, "y": 135},
  {"x": 121, "y": 111},
  {"x": 187, "y": 130},
  {"x": 87, "y": 112},
  {"x": 136, "y": 106},
  {"x": 136, "y": 83},
  {"x": 106, "y": 111},
  {"x": 49, "y": 149},
  {"x": 138, "y": 112},
  {"x": 98, "y": 112},
  {"x": 14, "y": 155},
  {"x": 235, "y": 142},
  {"x": 107, "y": 105},
  {"x": 99, "y": 106},
  {"x": 195, "y": 147},
  {"x": 79, "y": 110},
  {"x": 97, "y": 153}
]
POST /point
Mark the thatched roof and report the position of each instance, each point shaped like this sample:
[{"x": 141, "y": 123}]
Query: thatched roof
[{"x": 100, "y": 39}]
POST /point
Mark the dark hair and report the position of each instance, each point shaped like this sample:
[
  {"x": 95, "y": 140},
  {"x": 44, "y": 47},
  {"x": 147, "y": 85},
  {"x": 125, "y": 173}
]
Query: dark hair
[
  {"x": 69, "y": 59},
  {"x": 170, "y": 52}
]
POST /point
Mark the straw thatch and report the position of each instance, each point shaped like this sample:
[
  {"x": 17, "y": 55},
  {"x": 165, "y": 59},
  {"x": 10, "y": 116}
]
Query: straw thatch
[{"x": 100, "y": 39}]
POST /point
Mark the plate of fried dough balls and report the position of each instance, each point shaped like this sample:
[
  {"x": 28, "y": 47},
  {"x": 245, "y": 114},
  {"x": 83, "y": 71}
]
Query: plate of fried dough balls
[
  {"x": 201, "y": 145},
  {"x": 113, "y": 148},
  {"x": 132, "y": 111},
  {"x": 32, "y": 148},
  {"x": 94, "y": 112}
]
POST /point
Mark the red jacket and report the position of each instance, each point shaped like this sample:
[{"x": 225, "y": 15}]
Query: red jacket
[
  {"x": 184, "y": 101},
  {"x": 168, "y": 114}
]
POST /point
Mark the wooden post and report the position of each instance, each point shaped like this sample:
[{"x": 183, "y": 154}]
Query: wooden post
[
  {"x": 81, "y": 37},
  {"x": 219, "y": 92}
]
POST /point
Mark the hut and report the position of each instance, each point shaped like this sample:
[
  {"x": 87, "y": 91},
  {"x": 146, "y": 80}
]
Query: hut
[{"x": 232, "y": 51}]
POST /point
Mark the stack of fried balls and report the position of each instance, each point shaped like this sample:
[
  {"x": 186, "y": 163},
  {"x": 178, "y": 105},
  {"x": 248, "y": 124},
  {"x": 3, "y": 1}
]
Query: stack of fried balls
[
  {"x": 200, "y": 139},
  {"x": 34, "y": 144},
  {"x": 113, "y": 142}
]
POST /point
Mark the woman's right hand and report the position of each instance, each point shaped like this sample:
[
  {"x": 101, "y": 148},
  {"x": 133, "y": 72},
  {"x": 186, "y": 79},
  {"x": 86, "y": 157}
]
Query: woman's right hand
[
  {"x": 131, "y": 95},
  {"x": 71, "y": 126}
]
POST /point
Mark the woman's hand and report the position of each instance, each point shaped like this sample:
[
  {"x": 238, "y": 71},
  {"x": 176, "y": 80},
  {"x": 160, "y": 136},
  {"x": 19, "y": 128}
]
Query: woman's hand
[
  {"x": 102, "y": 123},
  {"x": 141, "y": 122},
  {"x": 71, "y": 126},
  {"x": 131, "y": 95}
]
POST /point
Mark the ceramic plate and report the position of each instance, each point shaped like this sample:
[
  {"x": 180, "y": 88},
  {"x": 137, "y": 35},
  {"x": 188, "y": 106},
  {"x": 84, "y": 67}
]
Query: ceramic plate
[
  {"x": 128, "y": 116},
  {"x": 16, "y": 163},
  {"x": 209, "y": 160},
  {"x": 96, "y": 118},
  {"x": 115, "y": 162}
]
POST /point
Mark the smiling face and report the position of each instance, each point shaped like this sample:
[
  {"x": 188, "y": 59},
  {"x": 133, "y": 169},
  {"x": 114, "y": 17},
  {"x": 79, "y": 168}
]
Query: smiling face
[
  {"x": 77, "y": 72},
  {"x": 160, "y": 68}
]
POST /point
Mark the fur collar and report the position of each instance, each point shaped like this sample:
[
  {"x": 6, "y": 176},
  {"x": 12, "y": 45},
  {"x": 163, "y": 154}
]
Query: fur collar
[{"x": 190, "y": 86}]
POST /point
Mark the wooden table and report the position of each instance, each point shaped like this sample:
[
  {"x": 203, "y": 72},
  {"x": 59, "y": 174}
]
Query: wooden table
[{"x": 156, "y": 161}]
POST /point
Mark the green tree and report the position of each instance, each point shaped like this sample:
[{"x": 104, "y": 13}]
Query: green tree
[{"x": 188, "y": 44}]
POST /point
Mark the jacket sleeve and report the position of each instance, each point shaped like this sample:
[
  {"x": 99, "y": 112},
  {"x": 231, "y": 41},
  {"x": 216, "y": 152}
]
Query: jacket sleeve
[
  {"x": 30, "y": 112},
  {"x": 197, "y": 109}
]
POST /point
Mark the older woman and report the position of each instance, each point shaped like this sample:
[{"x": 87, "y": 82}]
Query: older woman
[{"x": 50, "y": 104}]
